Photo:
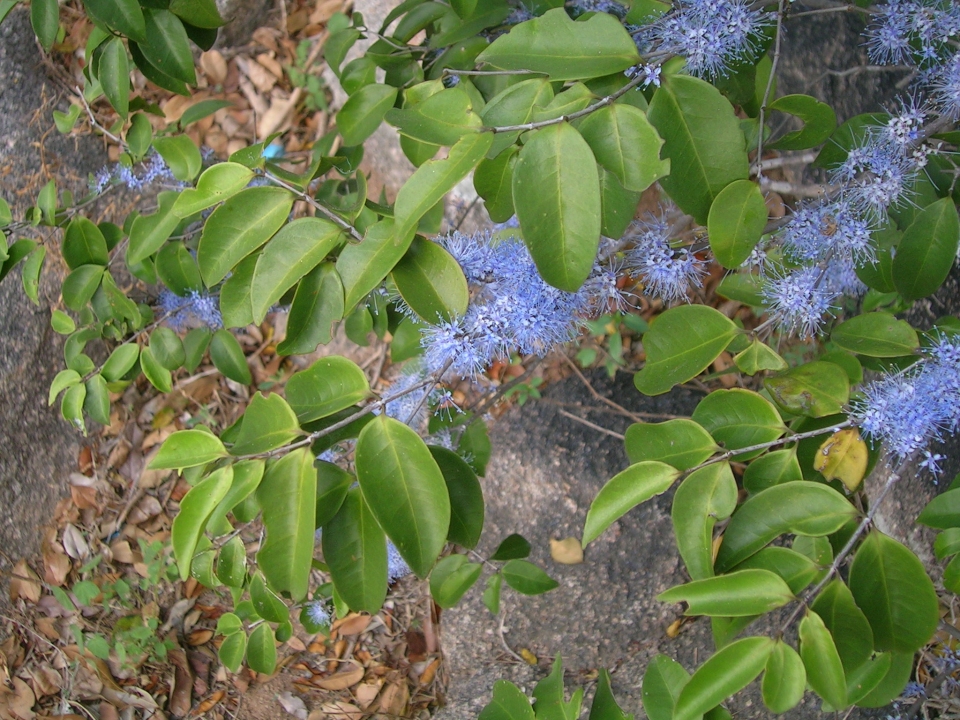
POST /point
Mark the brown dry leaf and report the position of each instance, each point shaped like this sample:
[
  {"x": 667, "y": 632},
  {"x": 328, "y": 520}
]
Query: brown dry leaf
[
  {"x": 567, "y": 551},
  {"x": 20, "y": 703},
  {"x": 200, "y": 637},
  {"x": 263, "y": 80},
  {"x": 367, "y": 692},
  {"x": 339, "y": 710},
  {"x": 108, "y": 712},
  {"x": 271, "y": 64},
  {"x": 341, "y": 680},
  {"x": 45, "y": 681},
  {"x": 214, "y": 66},
  {"x": 207, "y": 705},
  {"x": 296, "y": 644},
  {"x": 48, "y": 627},
  {"x": 325, "y": 10},
  {"x": 430, "y": 672},
  {"x": 674, "y": 629},
  {"x": 56, "y": 565},
  {"x": 122, "y": 552},
  {"x": 148, "y": 507},
  {"x": 277, "y": 117},
  {"x": 84, "y": 498},
  {"x": 74, "y": 543},
  {"x": 353, "y": 624},
  {"x": 24, "y": 583},
  {"x": 293, "y": 705},
  {"x": 394, "y": 699}
]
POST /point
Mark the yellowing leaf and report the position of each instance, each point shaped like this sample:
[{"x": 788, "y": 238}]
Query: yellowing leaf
[
  {"x": 843, "y": 455},
  {"x": 567, "y": 551}
]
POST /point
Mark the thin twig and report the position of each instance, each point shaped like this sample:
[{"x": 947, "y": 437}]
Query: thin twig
[
  {"x": 769, "y": 88},
  {"x": 589, "y": 424},
  {"x": 310, "y": 200},
  {"x": 606, "y": 401}
]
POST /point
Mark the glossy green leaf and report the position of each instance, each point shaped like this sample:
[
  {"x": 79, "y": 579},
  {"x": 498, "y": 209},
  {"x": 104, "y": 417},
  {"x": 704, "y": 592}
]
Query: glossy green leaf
[
  {"x": 431, "y": 282},
  {"x": 287, "y": 495},
  {"x": 124, "y": 16},
  {"x": 557, "y": 46},
  {"x": 64, "y": 379},
  {"x": 30, "y": 276},
  {"x": 635, "y": 485},
  {"x": 332, "y": 485},
  {"x": 355, "y": 550},
  {"x": 822, "y": 662},
  {"x": 166, "y": 45},
  {"x": 121, "y": 360},
  {"x": 181, "y": 155},
  {"x": 680, "y": 443},
  {"x": 864, "y": 679},
  {"x": 512, "y": 547},
  {"x": 267, "y": 603},
  {"x": 363, "y": 112},
  {"x": 195, "y": 344},
  {"x": 508, "y": 703},
  {"x": 262, "y": 650},
  {"x": 15, "y": 253},
  {"x": 294, "y": 251},
  {"x": 71, "y": 406},
  {"x": 80, "y": 285},
  {"x": 626, "y": 144},
  {"x": 736, "y": 594},
  {"x": 217, "y": 183},
  {"x": 45, "y": 20},
  {"x": 703, "y": 498},
  {"x": 605, "y": 706},
  {"x": 195, "y": 508},
  {"x": 236, "y": 301},
  {"x": 268, "y": 423},
  {"x": 188, "y": 448},
  {"x": 232, "y": 650},
  {"x": 617, "y": 205},
  {"x": 735, "y": 222},
  {"x": 947, "y": 543},
  {"x": 876, "y": 334},
  {"x": 156, "y": 373},
  {"x": 62, "y": 323},
  {"x": 549, "y": 699},
  {"x": 491, "y": 593},
  {"x": 167, "y": 348},
  {"x": 927, "y": 250},
  {"x": 228, "y": 357},
  {"x": 432, "y": 180},
  {"x": 466, "y": 497},
  {"x": 317, "y": 304},
  {"x": 663, "y": 680},
  {"x": 726, "y": 672},
  {"x": 328, "y": 385},
  {"x": 772, "y": 468},
  {"x": 363, "y": 266},
  {"x": 802, "y": 508},
  {"x": 815, "y": 389},
  {"x": 199, "y": 13},
  {"x": 797, "y": 570},
  {"x": 405, "y": 490},
  {"x": 493, "y": 182},
  {"x": 680, "y": 344},
  {"x": 149, "y": 232},
  {"x": 702, "y": 140},
  {"x": 784, "y": 679},
  {"x": 526, "y": 578},
  {"x": 238, "y": 227},
  {"x": 113, "y": 72},
  {"x": 556, "y": 195},
  {"x": 739, "y": 418},
  {"x": 892, "y": 684},
  {"x": 847, "y": 624},
  {"x": 441, "y": 119},
  {"x": 819, "y": 122},
  {"x": 178, "y": 270},
  {"x": 943, "y": 511},
  {"x": 759, "y": 356},
  {"x": 891, "y": 587},
  {"x": 451, "y": 579},
  {"x": 514, "y": 105}
]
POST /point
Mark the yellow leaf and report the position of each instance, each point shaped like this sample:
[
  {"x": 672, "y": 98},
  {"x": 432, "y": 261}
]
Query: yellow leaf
[
  {"x": 567, "y": 551},
  {"x": 528, "y": 656},
  {"x": 843, "y": 455}
]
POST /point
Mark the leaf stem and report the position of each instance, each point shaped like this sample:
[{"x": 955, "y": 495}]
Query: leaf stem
[{"x": 310, "y": 200}]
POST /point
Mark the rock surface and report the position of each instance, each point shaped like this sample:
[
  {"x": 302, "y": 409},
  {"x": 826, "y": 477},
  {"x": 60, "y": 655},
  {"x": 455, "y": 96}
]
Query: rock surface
[{"x": 38, "y": 449}]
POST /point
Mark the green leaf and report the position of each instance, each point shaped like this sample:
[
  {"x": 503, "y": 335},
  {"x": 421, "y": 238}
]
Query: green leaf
[
  {"x": 294, "y": 251},
  {"x": 617, "y": 205},
  {"x": 891, "y": 587},
  {"x": 942, "y": 512},
  {"x": 217, "y": 183},
  {"x": 681, "y": 443},
  {"x": 232, "y": 563},
  {"x": 363, "y": 266},
  {"x": 605, "y": 706},
  {"x": 113, "y": 72},
  {"x": 247, "y": 475},
  {"x": 876, "y": 334},
  {"x": 177, "y": 269},
  {"x": 236, "y": 302},
  {"x": 491, "y": 593},
  {"x": 45, "y": 20},
  {"x": 797, "y": 570},
  {"x": 635, "y": 485},
  {"x": 947, "y": 543},
  {"x": 238, "y": 227},
  {"x": 199, "y": 13},
  {"x": 563, "y": 49},
  {"x": 626, "y": 144},
  {"x": 772, "y": 468},
  {"x": 332, "y": 485},
  {"x": 822, "y": 662},
  {"x": 784, "y": 679},
  {"x": 815, "y": 389},
  {"x": 317, "y": 304},
  {"x": 327, "y": 386},
  {"x": 262, "y": 650},
  {"x": 493, "y": 182},
  {"x": 195, "y": 344},
  {"x": 267, "y": 603},
  {"x": 556, "y": 194},
  {"x": 514, "y": 105},
  {"x": 195, "y": 508},
  {"x": 80, "y": 285},
  {"x": 663, "y": 680},
  {"x": 71, "y": 407},
  {"x": 63, "y": 380},
  {"x": 156, "y": 373},
  {"x": 727, "y": 672},
  {"x": 121, "y": 360},
  {"x": 526, "y": 578},
  {"x": 30, "y": 276},
  {"x": 737, "y": 594},
  {"x": 232, "y": 650},
  {"x": 363, "y": 112},
  {"x": 680, "y": 344},
  {"x": 441, "y": 119},
  {"x": 62, "y": 323},
  {"x": 759, "y": 356},
  {"x": 451, "y": 579},
  {"x": 927, "y": 250},
  {"x": 181, "y": 155},
  {"x": 167, "y": 348},
  {"x": 149, "y": 232},
  {"x": 188, "y": 448},
  {"x": 802, "y": 508},
  {"x": 140, "y": 133},
  {"x": 892, "y": 684},
  {"x": 432, "y": 180},
  {"x": 512, "y": 547},
  {"x": 549, "y": 700},
  {"x": 228, "y": 357},
  {"x": 703, "y": 498},
  {"x": 702, "y": 140},
  {"x": 847, "y": 624},
  {"x": 431, "y": 282},
  {"x": 466, "y": 498},
  {"x": 735, "y": 223},
  {"x": 167, "y": 47},
  {"x": 819, "y": 122},
  {"x": 739, "y": 418},
  {"x": 405, "y": 490},
  {"x": 124, "y": 16},
  {"x": 355, "y": 550},
  {"x": 268, "y": 423},
  {"x": 508, "y": 703},
  {"x": 287, "y": 495},
  {"x": 863, "y": 680}
]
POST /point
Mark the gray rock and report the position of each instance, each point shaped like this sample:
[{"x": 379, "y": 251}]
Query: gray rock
[
  {"x": 242, "y": 18},
  {"x": 39, "y": 449}
]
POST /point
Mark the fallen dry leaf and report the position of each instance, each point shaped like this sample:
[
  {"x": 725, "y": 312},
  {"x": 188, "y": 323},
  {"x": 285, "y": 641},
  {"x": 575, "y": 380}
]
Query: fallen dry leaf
[
  {"x": 24, "y": 583},
  {"x": 214, "y": 66},
  {"x": 56, "y": 566},
  {"x": 74, "y": 543},
  {"x": 20, "y": 703},
  {"x": 394, "y": 699},
  {"x": 367, "y": 692},
  {"x": 340, "y": 710},
  {"x": 430, "y": 672},
  {"x": 341, "y": 680},
  {"x": 207, "y": 705},
  {"x": 567, "y": 551},
  {"x": 200, "y": 637},
  {"x": 353, "y": 624},
  {"x": 292, "y": 704}
]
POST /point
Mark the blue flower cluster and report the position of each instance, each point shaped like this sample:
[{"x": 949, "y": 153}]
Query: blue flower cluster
[
  {"x": 318, "y": 612},
  {"x": 906, "y": 410},
  {"x": 196, "y": 309},
  {"x": 665, "y": 272},
  {"x": 396, "y": 566},
  {"x": 152, "y": 169}
]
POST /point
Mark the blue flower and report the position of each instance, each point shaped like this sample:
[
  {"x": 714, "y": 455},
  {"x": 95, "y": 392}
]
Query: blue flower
[
  {"x": 396, "y": 566},
  {"x": 797, "y": 301},
  {"x": 196, "y": 309},
  {"x": 665, "y": 272},
  {"x": 829, "y": 229},
  {"x": 318, "y": 613}
]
